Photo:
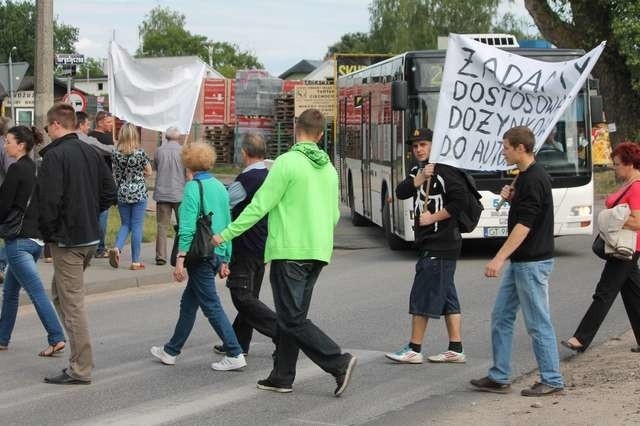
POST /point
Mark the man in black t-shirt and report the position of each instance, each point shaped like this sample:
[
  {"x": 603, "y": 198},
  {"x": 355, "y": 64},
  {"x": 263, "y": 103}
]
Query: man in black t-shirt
[
  {"x": 103, "y": 132},
  {"x": 439, "y": 196},
  {"x": 525, "y": 282}
]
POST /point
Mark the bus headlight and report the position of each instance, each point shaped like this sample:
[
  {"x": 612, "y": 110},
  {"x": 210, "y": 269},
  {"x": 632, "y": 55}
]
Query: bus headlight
[{"x": 581, "y": 211}]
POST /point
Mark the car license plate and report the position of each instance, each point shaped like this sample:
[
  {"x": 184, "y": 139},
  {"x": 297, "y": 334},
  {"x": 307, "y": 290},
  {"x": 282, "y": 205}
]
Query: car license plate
[{"x": 495, "y": 231}]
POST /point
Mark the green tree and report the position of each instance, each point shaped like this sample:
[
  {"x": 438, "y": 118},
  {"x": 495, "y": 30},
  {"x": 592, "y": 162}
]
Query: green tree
[
  {"x": 401, "y": 25},
  {"x": 91, "y": 68},
  {"x": 17, "y": 28},
  {"x": 580, "y": 24},
  {"x": 352, "y": 43},
  {"x": 163, "y": 33},
  {"x": 518, "y": 27}
]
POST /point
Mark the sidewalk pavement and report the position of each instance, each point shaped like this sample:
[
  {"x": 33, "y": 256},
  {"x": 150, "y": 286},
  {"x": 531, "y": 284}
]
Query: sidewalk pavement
[{"x": 101, "y": 278}]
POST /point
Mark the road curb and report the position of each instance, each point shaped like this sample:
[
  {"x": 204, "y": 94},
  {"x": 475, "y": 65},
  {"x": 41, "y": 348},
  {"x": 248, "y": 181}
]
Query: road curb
[{"x": 106, "y": 286}]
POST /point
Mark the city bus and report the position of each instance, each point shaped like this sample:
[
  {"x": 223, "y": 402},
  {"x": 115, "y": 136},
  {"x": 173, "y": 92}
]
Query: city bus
[{"x": 372, "y": 157}]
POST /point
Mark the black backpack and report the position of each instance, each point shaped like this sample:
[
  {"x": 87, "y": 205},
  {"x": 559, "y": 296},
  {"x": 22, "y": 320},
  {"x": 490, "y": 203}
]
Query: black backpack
[{"x": 468, "y": 219}]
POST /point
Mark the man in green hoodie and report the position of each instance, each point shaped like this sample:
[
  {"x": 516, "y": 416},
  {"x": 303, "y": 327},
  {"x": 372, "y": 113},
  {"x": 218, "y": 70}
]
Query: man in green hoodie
[{"x": 300, "y": 194}]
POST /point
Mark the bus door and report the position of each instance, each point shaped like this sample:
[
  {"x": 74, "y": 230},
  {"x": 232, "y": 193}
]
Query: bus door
[
  {"x": 365, "y": 138},
  {"x": 341, "y": 149}
]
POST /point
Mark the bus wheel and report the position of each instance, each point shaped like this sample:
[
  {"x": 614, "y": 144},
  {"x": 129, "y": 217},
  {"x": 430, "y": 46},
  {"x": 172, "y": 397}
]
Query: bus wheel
[
  {"x": 395, "y": 242},
  {"x": 356, "y": 218}
]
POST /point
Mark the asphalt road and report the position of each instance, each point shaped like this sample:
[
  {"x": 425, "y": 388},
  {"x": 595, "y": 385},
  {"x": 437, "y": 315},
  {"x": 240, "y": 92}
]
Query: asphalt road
[{"x": 360, "y": 300}]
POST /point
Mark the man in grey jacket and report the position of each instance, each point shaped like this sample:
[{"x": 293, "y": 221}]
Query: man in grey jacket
[{"x": 170, "y": 181}]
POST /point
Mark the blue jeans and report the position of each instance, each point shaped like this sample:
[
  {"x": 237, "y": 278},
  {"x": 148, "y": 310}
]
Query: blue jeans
[
  {"x": 3, "y": 259},
  {"x": 22, "y": 255},
  {"x": 201, "y": 292},
  {"x": 103, "y": 218},
  {"x": 131, "y": 221},
  {"x": 526, "y": 285}
]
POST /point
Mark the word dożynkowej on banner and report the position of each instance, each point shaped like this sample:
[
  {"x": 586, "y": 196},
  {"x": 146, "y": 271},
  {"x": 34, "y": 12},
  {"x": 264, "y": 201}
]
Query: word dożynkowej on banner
[
  {"x": 486, "y": 91},
  {"x": 153, "y": 97}
]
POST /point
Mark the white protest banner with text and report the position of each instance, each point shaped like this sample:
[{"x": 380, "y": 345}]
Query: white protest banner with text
[{"x": 486, "y": 91}]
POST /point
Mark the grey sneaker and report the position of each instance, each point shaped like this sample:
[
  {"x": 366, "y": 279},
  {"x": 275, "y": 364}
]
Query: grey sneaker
[{"x": 540, "y": 389}]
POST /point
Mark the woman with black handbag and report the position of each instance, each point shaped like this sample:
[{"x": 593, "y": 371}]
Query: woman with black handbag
[
  {"x": 618, "y": 276},
  {"x": 23, "y": 244},
  {"x": 204, "y": 210}
]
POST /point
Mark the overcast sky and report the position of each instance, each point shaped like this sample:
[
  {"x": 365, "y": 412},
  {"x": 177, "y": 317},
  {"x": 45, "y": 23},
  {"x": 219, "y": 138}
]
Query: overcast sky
[{"x": 278, "y": 32}]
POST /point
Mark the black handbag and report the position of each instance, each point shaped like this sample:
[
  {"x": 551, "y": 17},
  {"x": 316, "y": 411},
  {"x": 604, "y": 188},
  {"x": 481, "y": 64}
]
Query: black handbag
[
  {"x": 11, "y": 227},
  {"x": 598, "y": 244},
  {"x": 598, "y": 248},
  {"x": 201, "y": 246}
]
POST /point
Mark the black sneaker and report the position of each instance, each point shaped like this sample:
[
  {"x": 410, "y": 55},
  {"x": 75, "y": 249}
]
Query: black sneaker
[
  {"x": 219, "y": 349},
  {"x": 343, "y": 380},
  {"x": 487, "y": 385},
  {"x": 161, "y": 262},
  {"x": 266, "y": 384},
  {"x": 540, "y": 389}
]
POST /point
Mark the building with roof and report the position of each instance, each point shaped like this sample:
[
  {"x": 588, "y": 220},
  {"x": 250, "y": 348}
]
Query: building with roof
[{"x": 300, "y": 70}]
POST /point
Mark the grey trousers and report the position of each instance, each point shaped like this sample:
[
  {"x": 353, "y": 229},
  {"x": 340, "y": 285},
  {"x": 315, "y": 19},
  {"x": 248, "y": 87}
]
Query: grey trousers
[{"x": 163, "y": 218}]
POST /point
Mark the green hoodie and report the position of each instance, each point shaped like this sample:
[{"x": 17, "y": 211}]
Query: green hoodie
[{"x": 300, "y": 195}]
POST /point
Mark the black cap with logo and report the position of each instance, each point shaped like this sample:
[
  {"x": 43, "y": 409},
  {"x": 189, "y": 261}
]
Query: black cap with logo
[{"x": 421, "y": 134}]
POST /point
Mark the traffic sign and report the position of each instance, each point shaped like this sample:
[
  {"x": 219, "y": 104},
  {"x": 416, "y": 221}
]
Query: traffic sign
[
  {"x": 76, "y": 99},
  {"x": 69, "y": 59},
  {"x": 19, "y": 69}
]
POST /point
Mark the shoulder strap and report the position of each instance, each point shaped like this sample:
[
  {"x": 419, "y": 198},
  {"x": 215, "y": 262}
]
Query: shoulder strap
[
  {"x": 615, "y": 203},
  {"x": 201, "y": 197}
]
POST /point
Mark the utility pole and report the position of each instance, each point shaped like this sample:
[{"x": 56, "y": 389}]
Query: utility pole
[
  {"x": 43, "y": 61},
  {"x": 13, "y": 108}
]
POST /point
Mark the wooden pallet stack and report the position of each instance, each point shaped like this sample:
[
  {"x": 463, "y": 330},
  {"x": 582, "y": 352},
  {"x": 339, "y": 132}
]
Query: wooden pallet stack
[
  {"x": 221, "y": 138},
  {"x": 282, "y": 136}
]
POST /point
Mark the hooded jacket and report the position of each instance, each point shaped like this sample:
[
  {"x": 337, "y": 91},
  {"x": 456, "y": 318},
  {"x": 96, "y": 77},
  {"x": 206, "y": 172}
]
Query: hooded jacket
[{"x": 300, "y": 194}]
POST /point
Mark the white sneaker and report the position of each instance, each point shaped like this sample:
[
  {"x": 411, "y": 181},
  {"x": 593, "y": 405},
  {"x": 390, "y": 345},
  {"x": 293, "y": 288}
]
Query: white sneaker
[
  {"x": 405, "y": 356},
  {"x": 449, "y": 356},
  {"x": 230, "y": 363},
  {"x": 165, "y": 358}
]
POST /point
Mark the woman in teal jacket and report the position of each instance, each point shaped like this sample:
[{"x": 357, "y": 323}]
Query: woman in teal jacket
[{"x": 198, "y": 159}]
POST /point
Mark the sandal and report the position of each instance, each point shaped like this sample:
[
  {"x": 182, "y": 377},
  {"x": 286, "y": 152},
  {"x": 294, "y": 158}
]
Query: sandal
[
  {"x": 137, "y": 266},
  {"x": 101, "y": 255},
  {"x": 567, "y": 344},
  {"x": 114, "y": 257},
  {"x": 52, "y": 349}
]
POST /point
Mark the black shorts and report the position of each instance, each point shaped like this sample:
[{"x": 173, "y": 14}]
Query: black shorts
[{"x": 434, "y": 292}]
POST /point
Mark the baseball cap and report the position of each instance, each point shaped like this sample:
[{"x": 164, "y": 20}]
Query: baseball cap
[{"x": 421, "y": 134}]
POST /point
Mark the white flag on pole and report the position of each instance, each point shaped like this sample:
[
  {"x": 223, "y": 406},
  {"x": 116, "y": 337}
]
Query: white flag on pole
[
  {"x": 485, "y": 91},
  {"x": 151, "y": 97}
]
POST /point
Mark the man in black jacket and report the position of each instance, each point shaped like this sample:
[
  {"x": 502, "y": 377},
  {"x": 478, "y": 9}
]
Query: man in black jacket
[
  {"x": 439, "y": 194},
  {"x": 74, "y": 186}
]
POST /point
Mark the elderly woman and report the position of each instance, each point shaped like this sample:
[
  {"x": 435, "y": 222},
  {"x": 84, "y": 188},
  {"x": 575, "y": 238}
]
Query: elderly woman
[
  {"x": 199, "y": 158},
  {"x": 23, "y": 249},
  {"x": 618, "y": 276},
  {"x": 130, "y": 166}
]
